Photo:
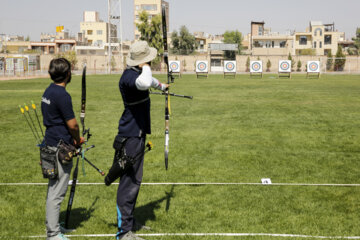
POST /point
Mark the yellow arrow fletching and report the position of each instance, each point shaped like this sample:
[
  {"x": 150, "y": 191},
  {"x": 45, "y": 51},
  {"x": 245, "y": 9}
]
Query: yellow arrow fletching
[
  {"x": 33, "y": 105},
  {"x": 26, "y": 108},
  {"x": 22, "y": 110},
  {"x": 169, "y": 105}
]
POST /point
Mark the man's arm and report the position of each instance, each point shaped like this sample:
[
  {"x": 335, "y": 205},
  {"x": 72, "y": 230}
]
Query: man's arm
[
  {"x": 73, "y": 127},
  {"x": 146, "y": 80}
]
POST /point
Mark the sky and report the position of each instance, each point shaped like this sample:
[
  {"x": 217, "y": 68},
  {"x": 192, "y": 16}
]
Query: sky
[{"x": 33, "y": 17}]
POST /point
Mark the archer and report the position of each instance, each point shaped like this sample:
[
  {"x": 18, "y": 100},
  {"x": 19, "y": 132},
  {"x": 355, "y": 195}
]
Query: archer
[
  {"x": 134, "y": 125},
  {"x": 61, "y": 139}
]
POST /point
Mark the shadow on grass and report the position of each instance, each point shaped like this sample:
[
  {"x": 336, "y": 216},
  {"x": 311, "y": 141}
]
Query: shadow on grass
[
  {"x": 146, "y": 212},
  {"x": 79, "y": 215}
]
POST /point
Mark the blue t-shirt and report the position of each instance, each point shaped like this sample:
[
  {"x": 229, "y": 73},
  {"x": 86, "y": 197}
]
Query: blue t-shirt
[
  {"x": 135, "y": 120},
  {"x": 56, "y": 108}
]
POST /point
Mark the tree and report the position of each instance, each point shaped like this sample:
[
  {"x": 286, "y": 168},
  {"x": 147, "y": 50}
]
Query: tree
[
  {"x": 299, "y": 64},
  {"x": 70, "y": 56},
  {"x": 268, "y": 65},
  {"x": 184, "y": 42},
  {"x": 247, "y": 64},
  {"x": 151, "y": 32},
  {"x": 329, "y": 61},
  {"x": 357, "y": 41},
  {"x": 292, "y": 61},
  {"x": 113, "y": 63},
  {"x": 339, "y": 60},
  {"x": 234, "y": 37}
]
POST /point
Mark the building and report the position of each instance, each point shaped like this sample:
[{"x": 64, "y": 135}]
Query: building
[
  {"x": 319, "y": 37},
  {"x": 265, "y": 42},
  {"x": 152, "y": 7},
  {"x": 317, "y": 40},
  {"x": 95, "y": 30}
]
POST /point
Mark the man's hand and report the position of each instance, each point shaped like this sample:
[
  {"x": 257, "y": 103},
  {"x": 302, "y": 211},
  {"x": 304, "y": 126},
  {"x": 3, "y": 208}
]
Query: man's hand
[
  {"x": 82, "y": 141},
  {"x": 165, "y": 87}
]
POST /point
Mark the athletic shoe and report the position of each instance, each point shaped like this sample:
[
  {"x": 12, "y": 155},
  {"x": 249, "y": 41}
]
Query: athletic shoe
[
  {"x": 130, "y": 236},
  {"x": 138, "y": 226},
  {"x": 60, "y": 236}
]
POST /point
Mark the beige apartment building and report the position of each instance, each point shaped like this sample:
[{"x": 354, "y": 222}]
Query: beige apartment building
[
  {"x": 152, "y": 7},
  {"x": 94, "y": 29},
  {"x": 318, "y": 39}
]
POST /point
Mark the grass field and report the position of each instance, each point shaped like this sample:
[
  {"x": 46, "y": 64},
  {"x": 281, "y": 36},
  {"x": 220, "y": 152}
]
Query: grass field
[{"x": 234, "y": 131}]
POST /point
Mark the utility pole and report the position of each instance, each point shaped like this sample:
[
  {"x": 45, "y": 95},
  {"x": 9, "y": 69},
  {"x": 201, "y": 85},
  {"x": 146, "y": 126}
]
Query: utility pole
[{"x": 114, "y": 32}]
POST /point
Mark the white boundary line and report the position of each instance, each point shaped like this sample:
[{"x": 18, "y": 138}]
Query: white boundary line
[
  {"x": 212, "y": 234},
  {"x": 274, "y": 184}
]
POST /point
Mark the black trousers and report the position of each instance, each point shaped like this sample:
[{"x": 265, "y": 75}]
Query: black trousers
[{"x": 129, "y": 185}]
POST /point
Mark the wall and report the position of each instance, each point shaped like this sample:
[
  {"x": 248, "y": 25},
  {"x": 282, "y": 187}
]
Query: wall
[{"x": 99, "y": 63}]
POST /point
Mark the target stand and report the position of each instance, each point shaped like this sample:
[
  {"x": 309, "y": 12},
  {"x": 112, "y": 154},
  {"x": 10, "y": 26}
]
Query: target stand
[
  {"x": 230, "y": 69},
  {"x": 174, "y": 67},
  {"x": 284, "y": 69},
  {"x": 202, "y": 69},
  {"x": 256, "y": 69},
  {"x": 313, "y": 69}
]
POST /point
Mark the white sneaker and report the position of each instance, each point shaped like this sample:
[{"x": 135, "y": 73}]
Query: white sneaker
[{"x": 60, "y": 236}]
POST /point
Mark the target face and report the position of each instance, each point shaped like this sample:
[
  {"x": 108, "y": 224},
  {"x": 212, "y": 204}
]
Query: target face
[
  {"x": 313, "y": 67},
  {"x": 256, "y": 66},
  {"x": 284, "y": 66},
  {"x": 201, "y": 66},
  {"x": 174, "y": 66},
  {"x": 230, "y": 66}
]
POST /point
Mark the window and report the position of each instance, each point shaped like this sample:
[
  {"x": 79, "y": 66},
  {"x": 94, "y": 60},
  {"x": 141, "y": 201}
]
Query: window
[
  {"x": 99, "y": 42},
  {"x": 99, "y": 32},
  {"x": 137, "y": 17},
  {"x": 89, "y": 32},
  {"x": 318, "y": 30},
  {"x": 149, "y": 7},
  {"x": 320, "y": 44},
  {"x": 314, "y": 44},
  {"x": 272, "y": 44},
  {"x": 303, "y": 40},
  {"x": 261, "y": 31},
  {"x": 258, "y": 44},
  {"x": 327, "y": 39},
  {"x": 137, "y": 7},
  {"x": 282, "y": 44}
]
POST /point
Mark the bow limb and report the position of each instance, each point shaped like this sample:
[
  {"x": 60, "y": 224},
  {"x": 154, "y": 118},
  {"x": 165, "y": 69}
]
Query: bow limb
[{"x": 83, "y": 101}]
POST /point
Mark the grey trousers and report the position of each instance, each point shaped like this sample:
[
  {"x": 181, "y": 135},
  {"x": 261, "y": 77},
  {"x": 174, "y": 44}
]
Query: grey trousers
[{"x": 55, "y": 195}]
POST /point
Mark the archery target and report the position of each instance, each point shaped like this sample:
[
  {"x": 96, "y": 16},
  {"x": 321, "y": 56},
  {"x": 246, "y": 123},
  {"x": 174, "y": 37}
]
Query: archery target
[
  {"x": 202, "y": 66},
  {"x": 230, "y": 66},
  {"x": 256, "y": 66},
  {"x": 285, "y": 66},
  {"x": 174, "y": 66},
  {"x": 313, "y": 67}
]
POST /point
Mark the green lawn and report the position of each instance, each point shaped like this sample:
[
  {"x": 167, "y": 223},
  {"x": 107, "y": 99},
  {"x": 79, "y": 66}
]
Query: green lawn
[{"x": 234, "y": 131}]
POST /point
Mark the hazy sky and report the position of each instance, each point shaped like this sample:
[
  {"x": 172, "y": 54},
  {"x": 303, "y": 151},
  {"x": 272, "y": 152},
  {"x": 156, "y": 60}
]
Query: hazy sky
[{"x": 32, "y": 17}]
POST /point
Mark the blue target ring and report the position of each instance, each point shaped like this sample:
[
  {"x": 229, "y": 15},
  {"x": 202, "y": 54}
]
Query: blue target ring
[
  {"x": 256, "y": 66},
  {"x": 285, "y": 66},
  {"x": 230, "y": 66},
  {"x": 313, "y": 66},
  {"x": 202, "y": 66},
  {"x": 174, "y": 66}
]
